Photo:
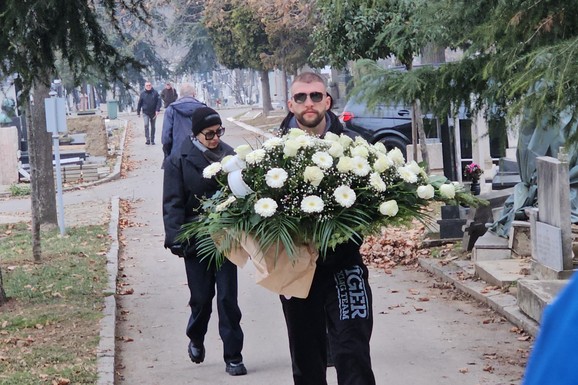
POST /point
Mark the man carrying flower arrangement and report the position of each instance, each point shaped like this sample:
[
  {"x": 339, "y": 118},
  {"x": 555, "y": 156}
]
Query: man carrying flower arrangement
[{"x": 339, "y": 304}]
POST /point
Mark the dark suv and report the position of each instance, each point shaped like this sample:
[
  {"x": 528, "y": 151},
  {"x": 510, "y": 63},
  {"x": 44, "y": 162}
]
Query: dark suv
[{"x": 389, "y": 124}]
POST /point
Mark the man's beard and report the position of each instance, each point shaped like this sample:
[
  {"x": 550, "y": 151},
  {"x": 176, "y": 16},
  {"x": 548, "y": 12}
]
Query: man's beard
[{"x": 311, "y": 123}]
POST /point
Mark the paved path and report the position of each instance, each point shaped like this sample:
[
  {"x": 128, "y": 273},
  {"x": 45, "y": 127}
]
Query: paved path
[{"x": 423, "y": 334}]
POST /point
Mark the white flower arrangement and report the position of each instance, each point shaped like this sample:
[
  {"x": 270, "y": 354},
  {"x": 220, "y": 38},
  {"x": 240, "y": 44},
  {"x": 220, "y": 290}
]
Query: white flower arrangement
[{"x": 299, "y": 189}]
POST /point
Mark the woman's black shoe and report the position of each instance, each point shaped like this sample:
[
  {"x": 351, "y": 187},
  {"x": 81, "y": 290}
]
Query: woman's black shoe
[{"x": 196, "y": 353}]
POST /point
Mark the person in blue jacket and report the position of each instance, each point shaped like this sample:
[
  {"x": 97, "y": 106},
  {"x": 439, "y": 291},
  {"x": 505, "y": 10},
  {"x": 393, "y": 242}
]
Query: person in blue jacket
[
  {"x": 177, "y": 120},
  {"x": 554, "y": 358}
]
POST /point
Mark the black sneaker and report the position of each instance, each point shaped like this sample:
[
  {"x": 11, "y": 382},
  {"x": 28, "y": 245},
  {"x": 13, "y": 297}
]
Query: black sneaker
[
  {"x": 153, "y": 143},
  {"x": 147, "y": 142},
  {"x": 236, "y": 369},
  {"x": 196, "y": 352}
]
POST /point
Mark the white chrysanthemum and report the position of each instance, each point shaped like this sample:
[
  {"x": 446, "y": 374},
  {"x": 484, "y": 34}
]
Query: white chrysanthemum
[
  {"x": 243, "y": 150},
  {"x": 291, "y": 148},
  {"x": 313, "y": 175},
  {"x": 414, "y": 167},
  {"x": 223, "y": 206},
  {"x": 376, "y": 182},
  {"x": 345, "y": 164},
  {"x": 265, "y": 207},
  {"x": 212, "y": 170},
  {"x": 382, "y": 163},
  {"x": 344, "y": 195},
  {"x": 345, "y": 141},
  {"x": 322, "y": 159},
  {"x": 255, "y": 157},
  {"x": 276, "y": 177},
  {"x": 336, "y": 150},
  {"x": 360, "y": 166},
  {"x": 273, "y": 142},
  {"x": 312, "y": 204},
  {"x": 448, "y": 191},
  {"x": 426, "y": 192},
  {"x": 396, "y": 156},
  {"x": 360, "y": 150},
  {"x": 389, "y": 208},
  {"x": 380, "y": 147},
  {"x": 407, "y": 175},
  {"x": 330, "y": 136}
]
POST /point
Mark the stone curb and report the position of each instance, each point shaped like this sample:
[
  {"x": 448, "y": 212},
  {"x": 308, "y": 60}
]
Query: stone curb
[
  {"x": 504, "y": 304},
  {"x": 105, "y": 355}
]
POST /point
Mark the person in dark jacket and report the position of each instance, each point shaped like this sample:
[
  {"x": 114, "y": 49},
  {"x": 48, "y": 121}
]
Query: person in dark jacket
[
  {"x": 169, "y": 94},
  {"x": 177, "y": 120},
  {"x": 183, "y": 188},
  {"x": 150, "y": 104},
  {"x": 339, "y": 304}
]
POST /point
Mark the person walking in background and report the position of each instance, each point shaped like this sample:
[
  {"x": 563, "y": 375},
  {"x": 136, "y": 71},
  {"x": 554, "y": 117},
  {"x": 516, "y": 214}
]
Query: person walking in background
[
  {"x": 177, "y": 120},
  {"x": 339, "y": 305},
  {"x": 169, "y": 94},
  {"x": 183, "y": 188},
  {"x": 150, "y": 104}
]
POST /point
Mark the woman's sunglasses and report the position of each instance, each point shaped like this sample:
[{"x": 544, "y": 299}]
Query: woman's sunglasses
[
  {"x": 301, "y": 97},
  {"x": 211, "y": 134}
]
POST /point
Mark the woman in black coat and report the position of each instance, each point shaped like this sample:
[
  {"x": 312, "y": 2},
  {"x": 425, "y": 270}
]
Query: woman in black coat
[{"x": 183, "y": 187}]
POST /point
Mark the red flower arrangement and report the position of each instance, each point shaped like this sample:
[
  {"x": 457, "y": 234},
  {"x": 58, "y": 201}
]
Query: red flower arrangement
[{"x": 473, "y": 171}]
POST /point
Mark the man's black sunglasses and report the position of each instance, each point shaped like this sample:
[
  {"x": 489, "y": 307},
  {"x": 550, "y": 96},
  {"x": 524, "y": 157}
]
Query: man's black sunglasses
[
  {"x": 211, "y": 134},
  {"x": 301, "y": 97}
]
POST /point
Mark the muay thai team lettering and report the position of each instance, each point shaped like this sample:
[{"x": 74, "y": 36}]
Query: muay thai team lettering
[{"x": 352, "y": 294}]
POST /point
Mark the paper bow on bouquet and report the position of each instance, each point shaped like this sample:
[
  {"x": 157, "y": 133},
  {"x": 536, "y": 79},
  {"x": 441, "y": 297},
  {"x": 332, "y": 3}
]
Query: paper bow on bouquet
[
  {"x": 302, "y": 190},
  {"x": 275, "y": 270}
]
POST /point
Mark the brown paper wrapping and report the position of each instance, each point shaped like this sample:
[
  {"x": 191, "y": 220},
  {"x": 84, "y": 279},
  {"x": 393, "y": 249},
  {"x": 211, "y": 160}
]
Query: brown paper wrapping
[{"x": 281, "y": 276}]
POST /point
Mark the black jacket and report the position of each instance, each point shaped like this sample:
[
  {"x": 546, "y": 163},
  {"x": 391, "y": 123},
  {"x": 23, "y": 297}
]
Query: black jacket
[
  {"x": 183, "y": 186},
  {"x": 345, "y": 254},
  {"x": 149, "y": 102}
]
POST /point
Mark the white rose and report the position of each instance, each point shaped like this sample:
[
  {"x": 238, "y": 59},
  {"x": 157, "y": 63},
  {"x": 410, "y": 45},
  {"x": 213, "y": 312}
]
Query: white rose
[
  {"x": 389, "y": 208},
  {"x": 426, "y": 192},
  {"x": 336, "y": 150},
  {"x": 295, "y": 132},
  {"x": 331, "y": 137},
  {"x": 380, "y": 147},
  {"x": 345, "y": 141},
  {"x": 313, "y": 175},
  {"x": 360, "y": 151},
  {"x": 382, "y": 163},
  {"x": 414, "y": 167},
  {"x": 448, "y": 191},
  {"x": 243, "y": 150},
  {"x": 345, "y": 164},
  {"x": 396, "y": 156},
  {"x": 291, "y": 148}
]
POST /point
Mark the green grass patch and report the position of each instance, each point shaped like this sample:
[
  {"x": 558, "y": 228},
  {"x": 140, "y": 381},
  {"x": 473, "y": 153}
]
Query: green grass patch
[
  {"x": 49, "y": 329},
  {"x": 19, "y": 190}
]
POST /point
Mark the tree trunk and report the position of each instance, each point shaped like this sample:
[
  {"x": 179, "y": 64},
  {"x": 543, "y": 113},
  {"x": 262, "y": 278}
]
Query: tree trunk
[
  {"x": 3, "y": 297},
  {"x": 285, "y": 89},
  {"x": 40, "y": 151},
  {"x": 433, "y": 54},
  {"x": 417, "y": 121},
  {"x": 266, "y": 96}
]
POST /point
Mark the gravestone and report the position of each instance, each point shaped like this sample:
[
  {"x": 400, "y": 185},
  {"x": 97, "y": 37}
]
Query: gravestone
[
  {"x": 8, "y": 155},
  {"x": 452, "y": 222},
  {"x": 550, "y": 226}
]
